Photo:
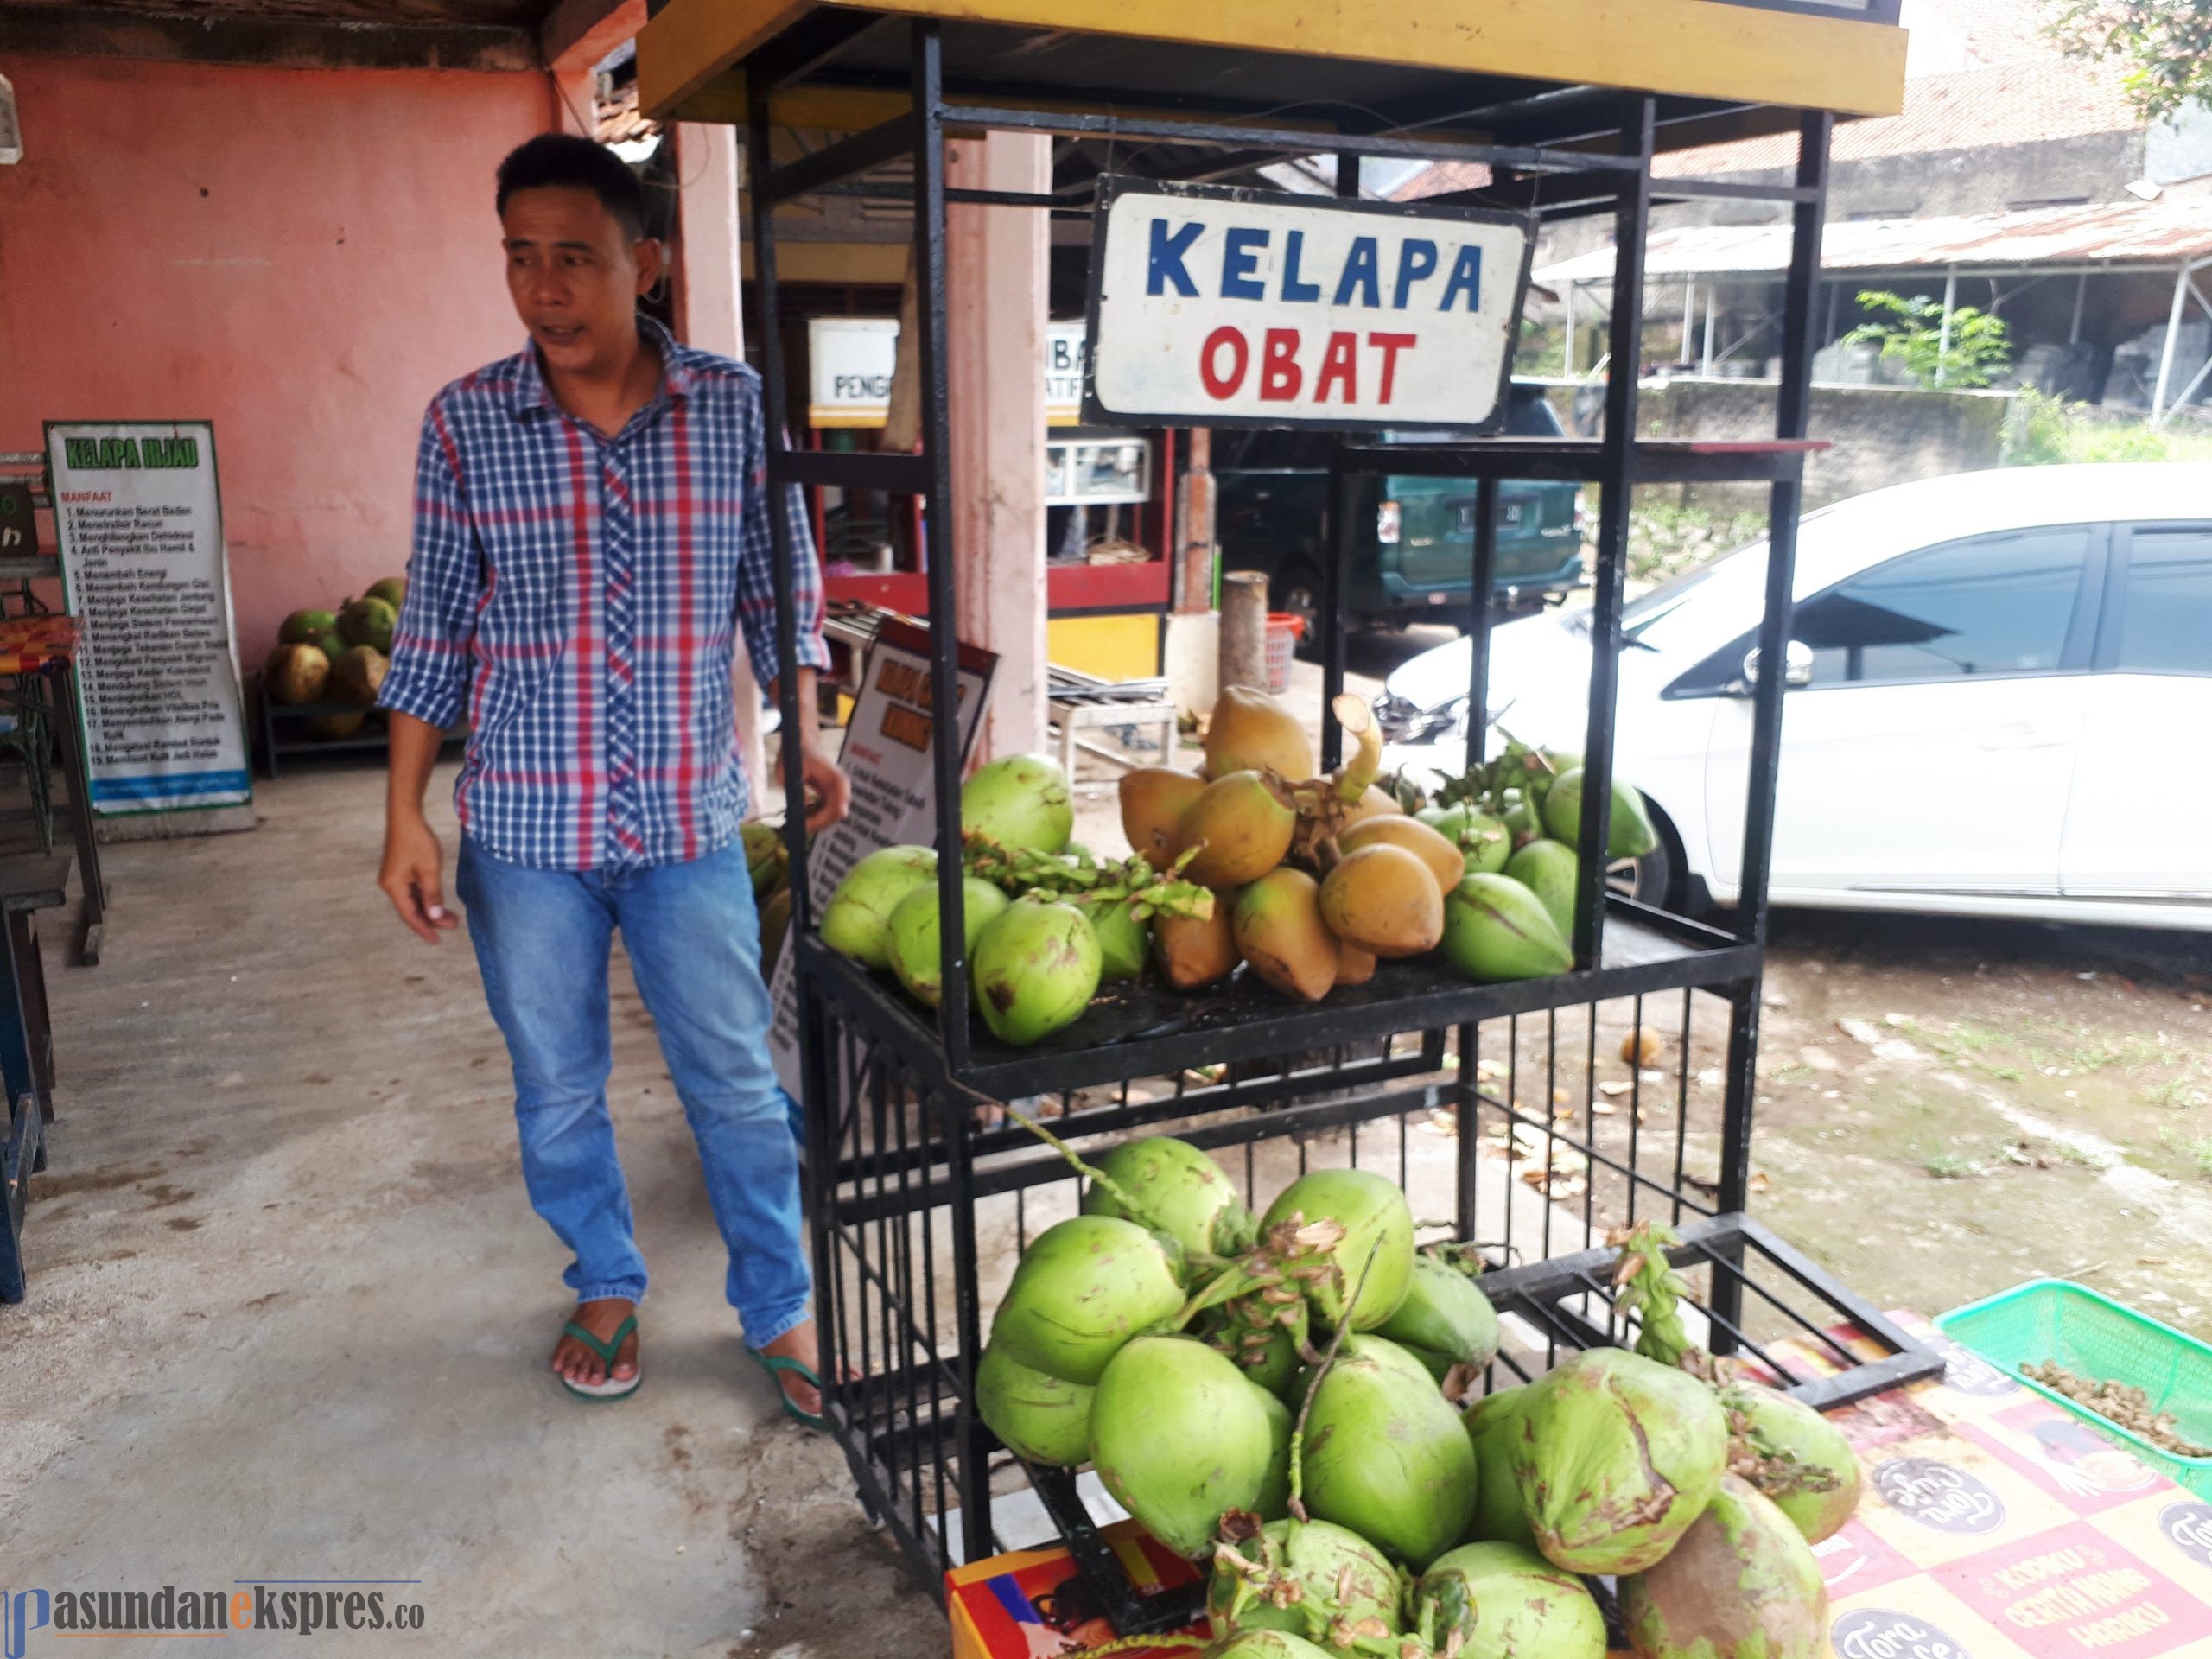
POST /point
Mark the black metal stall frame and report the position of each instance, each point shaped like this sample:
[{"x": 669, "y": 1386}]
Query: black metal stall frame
[{"x": 909, "y": 1164}]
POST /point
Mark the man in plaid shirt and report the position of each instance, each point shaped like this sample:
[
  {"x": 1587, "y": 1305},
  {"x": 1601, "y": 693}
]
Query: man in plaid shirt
[{"x": 591, "y": 533}]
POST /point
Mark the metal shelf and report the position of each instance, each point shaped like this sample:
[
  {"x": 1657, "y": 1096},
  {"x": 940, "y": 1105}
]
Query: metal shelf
[{"x": 1141, "y": 1029}]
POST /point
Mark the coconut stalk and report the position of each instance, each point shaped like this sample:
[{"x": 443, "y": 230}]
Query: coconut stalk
[
  {"x": 1313, "y": 1387},
  {"x": 1078, "y": 877},
  {"x": 1323, "y": 804},
  {"x": 1090, "y": 1172},
  {"x": 1269, "y": 1580},
  {"x": 1649, "y": 1286}
]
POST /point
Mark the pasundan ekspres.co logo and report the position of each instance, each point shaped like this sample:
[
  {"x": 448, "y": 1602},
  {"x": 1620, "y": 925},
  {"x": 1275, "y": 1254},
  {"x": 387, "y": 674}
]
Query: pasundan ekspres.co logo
[{"x": 291, "y": 1607}]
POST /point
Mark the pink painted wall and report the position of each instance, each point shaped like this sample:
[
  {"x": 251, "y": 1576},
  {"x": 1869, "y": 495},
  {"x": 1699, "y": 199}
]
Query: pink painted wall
[{"x": 301, "y": 255}]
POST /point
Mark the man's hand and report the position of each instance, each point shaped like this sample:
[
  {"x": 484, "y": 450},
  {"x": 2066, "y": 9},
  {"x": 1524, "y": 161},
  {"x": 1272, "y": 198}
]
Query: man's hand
[
  {"x": 824, "y": 791},
  {"x": 828, "y": 792},
  {"x": 409, "y": 876}
]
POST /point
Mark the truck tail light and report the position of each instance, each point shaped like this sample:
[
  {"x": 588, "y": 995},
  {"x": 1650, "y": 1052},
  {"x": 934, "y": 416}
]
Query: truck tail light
[{"x": 1386, "y": 524}]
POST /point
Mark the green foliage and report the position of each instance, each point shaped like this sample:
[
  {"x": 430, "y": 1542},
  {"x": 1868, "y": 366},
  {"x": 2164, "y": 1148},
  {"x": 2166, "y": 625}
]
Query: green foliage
[
  {"x": 1978, "y": 346},
  {"x": 2051, "y": 432},
  {"x": 2166, "y": 44}
]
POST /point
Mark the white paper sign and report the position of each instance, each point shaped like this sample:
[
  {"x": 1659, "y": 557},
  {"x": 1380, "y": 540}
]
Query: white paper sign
[
  {"x": 1225, "y": 308},
  {"x": 887, "y": 756},
  {"x": 849, "y": 360},
  {"x": 140, "y": 526}
]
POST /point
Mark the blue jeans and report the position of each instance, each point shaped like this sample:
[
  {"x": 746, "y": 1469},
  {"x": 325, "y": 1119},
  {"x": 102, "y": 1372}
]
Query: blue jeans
[{"x": 543, "y": 939}]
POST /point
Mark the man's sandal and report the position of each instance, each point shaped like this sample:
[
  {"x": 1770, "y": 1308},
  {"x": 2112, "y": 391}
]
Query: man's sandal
[
  {"x": 775, "y": 1365},
  {"x": 613, "y": 1387}
]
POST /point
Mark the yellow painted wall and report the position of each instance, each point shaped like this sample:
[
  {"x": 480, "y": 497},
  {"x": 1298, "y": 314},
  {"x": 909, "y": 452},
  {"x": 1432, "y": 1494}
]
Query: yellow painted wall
[{"x": 1106, "y": 647}]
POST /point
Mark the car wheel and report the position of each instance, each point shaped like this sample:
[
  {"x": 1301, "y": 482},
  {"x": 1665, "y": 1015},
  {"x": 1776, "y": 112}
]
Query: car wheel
[
  {"x": 1649, "y": 880},
  {"x": 1296, "y": 592}
]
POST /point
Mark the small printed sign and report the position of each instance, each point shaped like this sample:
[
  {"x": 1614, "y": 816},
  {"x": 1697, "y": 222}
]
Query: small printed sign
[
  {"x": 850, "y": 362},
  {"x": 888, "y": 758},
  {"x": 139, "y": 522},
  {"x": 1221, "y": 307}
]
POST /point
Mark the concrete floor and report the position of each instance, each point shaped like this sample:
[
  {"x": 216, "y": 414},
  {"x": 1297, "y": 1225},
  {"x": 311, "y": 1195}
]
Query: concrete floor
[{"x": 289, "y": 1307}]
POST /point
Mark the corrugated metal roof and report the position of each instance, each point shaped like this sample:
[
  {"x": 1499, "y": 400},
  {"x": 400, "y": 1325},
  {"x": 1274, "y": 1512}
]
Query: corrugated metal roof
[{"x": 2155, "y": 234}]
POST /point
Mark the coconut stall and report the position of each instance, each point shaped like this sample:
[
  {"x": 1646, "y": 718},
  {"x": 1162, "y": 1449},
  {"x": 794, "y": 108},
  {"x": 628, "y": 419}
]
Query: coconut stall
[{"x": 1344, "y": 1179}]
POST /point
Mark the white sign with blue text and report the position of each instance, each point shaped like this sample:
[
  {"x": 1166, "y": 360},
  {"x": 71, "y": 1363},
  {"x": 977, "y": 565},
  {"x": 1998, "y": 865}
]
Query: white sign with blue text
[{"x": 1219, "y": 307}]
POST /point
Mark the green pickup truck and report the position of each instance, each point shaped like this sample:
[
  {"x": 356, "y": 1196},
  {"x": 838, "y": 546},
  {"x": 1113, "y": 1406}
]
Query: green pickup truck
[{"x": 1414, "y": 560}]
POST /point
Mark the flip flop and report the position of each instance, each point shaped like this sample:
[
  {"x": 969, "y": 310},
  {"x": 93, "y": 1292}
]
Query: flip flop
[
  {"x": 613, "y": 1387},
  {"x": 775, "y": 1364}
]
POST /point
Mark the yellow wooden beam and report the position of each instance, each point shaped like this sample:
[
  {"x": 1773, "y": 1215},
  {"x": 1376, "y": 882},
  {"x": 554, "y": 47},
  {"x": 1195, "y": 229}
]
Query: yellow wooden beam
[
  {"x": 883, "y": 264},
  {"x": 1698, "y": 49}
]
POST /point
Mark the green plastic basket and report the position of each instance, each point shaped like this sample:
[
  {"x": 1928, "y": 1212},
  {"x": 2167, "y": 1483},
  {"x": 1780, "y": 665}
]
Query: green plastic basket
[{"x": 2095, "y": 1336}]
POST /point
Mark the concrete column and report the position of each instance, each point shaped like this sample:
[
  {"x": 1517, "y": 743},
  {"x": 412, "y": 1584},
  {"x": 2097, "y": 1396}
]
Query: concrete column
[
  {"x": 1244, "y": 630},
  {"x": 703, "y": 288},
  {"x": 995, "y": 283}
]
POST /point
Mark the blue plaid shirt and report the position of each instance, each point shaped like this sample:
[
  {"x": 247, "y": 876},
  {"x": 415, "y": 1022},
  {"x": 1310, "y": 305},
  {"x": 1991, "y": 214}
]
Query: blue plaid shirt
[{"x": 580, "y": 596}]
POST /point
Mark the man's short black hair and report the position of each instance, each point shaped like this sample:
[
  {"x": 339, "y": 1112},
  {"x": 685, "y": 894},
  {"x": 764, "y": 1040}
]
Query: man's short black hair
[{"x": 561, "y": 159}]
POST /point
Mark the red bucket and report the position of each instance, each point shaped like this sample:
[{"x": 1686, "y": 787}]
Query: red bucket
[{"x": 1284, "y": 632}]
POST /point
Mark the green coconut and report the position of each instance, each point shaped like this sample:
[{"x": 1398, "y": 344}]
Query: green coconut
[
  {"x": 1495, "y": 929},
  {"x": 1619, "y": 1456},
  {"x": 1037, "y": 1415},
  {"x": 915, "y": 939},
  {"x": 1444, "y": 1320},
  {"x": 856, "y": 922},
  {"x": 1265, "y": 1644},
  {"x": 1036, "y": 968},
  {"x": 1181, "y": 1191},
  {"x": 1493, "y": 1423},
  {"x": 1630, "y": 833},
  {"x": 1123, "y": 941},
  {"x": 368, "y": 622},
  {"x": 1524, "y": 823},
  {"x": 307, "y": 628},
  {"x": 1179, "y": 1437},
  {"x": 1548, "y": 868},
  {"x": 766, "y": 860},
  {"x": 1796, "y": 1458},
  {"x": 390, "y": 589},
  {"x": 1264, "y": 1351},
  {"x": 1273, "y": 1502},
  {"x": 1022, "y": 801},
  {"x": 1483, "y": 839},
  {"x": 1504, "y": 1601},
  {"x": 1083, "y": 1288},
  {"x": 1385, "y": 1455},
  {"x": 1312, "y": 1579},
  {"x": 1741, "y": 1584},
  {"x": 1377, "y": 1222}
]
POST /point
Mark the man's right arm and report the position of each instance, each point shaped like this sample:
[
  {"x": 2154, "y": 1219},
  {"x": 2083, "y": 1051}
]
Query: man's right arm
[{"x": 426, "y": 688}]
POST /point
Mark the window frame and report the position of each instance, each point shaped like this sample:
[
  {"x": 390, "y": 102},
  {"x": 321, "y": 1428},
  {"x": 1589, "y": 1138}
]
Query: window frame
[
  {"x": 2113, "y": 615},
  {"x": 2077, "y": 649}
]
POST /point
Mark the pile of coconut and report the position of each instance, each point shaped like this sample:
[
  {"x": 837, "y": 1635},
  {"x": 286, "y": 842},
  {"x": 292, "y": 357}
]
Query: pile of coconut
[{"x": 1269, "y": 1397}]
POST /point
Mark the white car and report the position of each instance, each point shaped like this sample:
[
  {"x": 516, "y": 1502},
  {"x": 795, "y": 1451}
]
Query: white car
[{"x": 2000, "y": 702}]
